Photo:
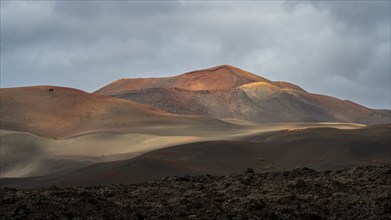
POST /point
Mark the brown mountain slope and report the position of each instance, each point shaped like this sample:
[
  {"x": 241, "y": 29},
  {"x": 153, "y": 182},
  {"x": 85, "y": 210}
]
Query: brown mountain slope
[
  {"x": 227, "y": 91},
  {"x": 57, "y": 111},
  {"x": 222, "y": 77},
  {"x": 50, "y": 111},
  {"x": 258, "y": 102}
]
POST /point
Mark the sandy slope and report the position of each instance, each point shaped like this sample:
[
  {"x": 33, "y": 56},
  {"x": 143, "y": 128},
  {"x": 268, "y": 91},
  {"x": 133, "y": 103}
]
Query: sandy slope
[
  {"x": 318, "y": 148},
  {"x": 105, "y": 158},
  {"x": 25, "y": 154}
]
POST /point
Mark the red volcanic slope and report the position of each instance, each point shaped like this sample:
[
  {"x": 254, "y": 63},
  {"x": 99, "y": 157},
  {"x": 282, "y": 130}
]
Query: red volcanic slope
[
  {"x": 220, "y": 78},
  {"x": 58, "y": 112},
  {"x": 286, "y": 85},
  {"x": 229, "y": 92}
]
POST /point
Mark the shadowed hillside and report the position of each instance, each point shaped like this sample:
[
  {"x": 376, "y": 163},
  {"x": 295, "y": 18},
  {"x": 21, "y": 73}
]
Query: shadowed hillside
[{"x": 317, "y": 148}]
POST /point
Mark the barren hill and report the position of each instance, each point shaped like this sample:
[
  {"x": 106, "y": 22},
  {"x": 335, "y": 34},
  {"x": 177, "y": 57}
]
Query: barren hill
[
  {"x": 229, "y": 92},
  {"x": 57, "y": 112}
]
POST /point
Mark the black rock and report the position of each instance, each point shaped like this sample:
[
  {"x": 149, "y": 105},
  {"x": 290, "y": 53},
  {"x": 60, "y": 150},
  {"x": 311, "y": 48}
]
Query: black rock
[{"x": 299, "y": 194}]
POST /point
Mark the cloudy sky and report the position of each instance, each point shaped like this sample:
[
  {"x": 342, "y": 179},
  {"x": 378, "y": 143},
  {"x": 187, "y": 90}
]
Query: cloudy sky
[{"x": 335, "y": 48}]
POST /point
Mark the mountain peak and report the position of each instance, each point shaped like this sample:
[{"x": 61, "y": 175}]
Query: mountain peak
[
  {"x": 219, "y": 78},
  {"x": 228, "y": 70},
  {"x": 223, "y": 77}
]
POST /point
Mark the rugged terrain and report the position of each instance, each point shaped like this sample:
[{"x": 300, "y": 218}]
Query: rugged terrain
[
  {"x": 359, "y": 193},
  {"x": 229, "y": 92}
]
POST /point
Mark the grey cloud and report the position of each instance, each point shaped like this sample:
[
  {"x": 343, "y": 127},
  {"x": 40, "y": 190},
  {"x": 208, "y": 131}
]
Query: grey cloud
[
  {"x": 364, "y": 15},
  {"x": 94, "y": 9},
  {"x": 331, "y": 47}
]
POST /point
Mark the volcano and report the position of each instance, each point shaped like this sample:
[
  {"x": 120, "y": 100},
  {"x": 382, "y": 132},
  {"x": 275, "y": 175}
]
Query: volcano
[
  {"x": 229, "y": 92},
  {"x": 217, "y": 121}
]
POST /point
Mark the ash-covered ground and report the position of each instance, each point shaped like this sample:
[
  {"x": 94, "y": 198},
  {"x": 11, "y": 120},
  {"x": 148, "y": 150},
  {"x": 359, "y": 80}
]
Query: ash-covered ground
[{"x": 359, "y": 193}]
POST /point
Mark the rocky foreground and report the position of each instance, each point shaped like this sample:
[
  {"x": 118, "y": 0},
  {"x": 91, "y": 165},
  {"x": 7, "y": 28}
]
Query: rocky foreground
[{"x": 360, "y": 193}]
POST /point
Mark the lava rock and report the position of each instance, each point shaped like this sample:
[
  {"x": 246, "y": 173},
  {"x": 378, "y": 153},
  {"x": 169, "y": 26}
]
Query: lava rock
[{"x": 359, "y": 193}]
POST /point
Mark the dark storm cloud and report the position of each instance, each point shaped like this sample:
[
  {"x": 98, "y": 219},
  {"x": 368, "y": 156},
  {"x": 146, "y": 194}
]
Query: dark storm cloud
[{"x": 330, "y": 47}]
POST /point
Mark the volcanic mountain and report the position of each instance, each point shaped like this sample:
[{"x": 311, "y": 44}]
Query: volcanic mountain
[
  {"x": 229, "y": 92},
  {"x": 56, "y": 135}
]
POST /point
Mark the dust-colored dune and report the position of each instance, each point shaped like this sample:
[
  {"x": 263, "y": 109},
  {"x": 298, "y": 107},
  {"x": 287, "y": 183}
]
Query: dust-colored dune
[
  {"x": 229, "y": 92},
  {"x": 27, "y": 155},
  {"x": 318, "y": 148},
  {"x": 301, "y": 146}
]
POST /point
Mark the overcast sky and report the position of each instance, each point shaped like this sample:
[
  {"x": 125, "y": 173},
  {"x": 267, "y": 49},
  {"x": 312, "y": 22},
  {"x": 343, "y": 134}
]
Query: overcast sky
[{"x": 335, "y": 48}]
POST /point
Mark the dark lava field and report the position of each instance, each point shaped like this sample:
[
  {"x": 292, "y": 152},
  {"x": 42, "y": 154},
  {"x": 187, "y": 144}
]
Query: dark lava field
[{"x": 359, "y": 193}]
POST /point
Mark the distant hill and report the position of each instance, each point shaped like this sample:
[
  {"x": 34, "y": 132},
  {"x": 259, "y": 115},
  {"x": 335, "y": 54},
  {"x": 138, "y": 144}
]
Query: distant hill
[
  {"x": 58, "y": 112},
  {"x": 229, "y": 92}
]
